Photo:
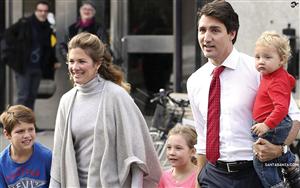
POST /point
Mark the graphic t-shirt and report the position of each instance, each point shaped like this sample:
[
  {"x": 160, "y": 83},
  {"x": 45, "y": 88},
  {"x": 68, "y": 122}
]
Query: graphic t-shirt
[{"x": 33, "y": 173}]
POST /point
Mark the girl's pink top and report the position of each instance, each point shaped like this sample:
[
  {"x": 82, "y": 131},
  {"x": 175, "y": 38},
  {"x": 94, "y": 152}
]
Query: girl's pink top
[{"x": 167, "y": 181}]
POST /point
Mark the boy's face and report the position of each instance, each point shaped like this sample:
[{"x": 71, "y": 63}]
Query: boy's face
[
  {"x": 22, "y": 136},
  {"x": 267, "y": 59}
]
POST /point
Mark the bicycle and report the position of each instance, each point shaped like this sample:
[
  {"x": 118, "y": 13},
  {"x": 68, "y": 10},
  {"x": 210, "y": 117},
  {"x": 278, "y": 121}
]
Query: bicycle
[{"x": 168, "y": 112}]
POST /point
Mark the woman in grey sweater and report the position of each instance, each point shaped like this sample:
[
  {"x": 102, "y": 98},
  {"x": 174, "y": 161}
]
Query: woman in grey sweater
[{"x": 101, "y": 138}]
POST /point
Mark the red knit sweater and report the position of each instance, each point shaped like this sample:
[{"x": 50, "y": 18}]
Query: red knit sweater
[{"x": 273, "y": 97}]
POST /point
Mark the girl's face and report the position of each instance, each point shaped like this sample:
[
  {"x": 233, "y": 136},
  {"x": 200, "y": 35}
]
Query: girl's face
[
  {"x": 22, "y": 137},
  {"x": 267, "y": 59},
  {"x": 178, "y": 153},
  {"x": 81, "y": 67}
]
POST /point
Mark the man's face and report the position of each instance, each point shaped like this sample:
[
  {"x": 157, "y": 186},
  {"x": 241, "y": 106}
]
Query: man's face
[
  {"x": 215, "y": 42},
  {"x": 41, "y": 12}
]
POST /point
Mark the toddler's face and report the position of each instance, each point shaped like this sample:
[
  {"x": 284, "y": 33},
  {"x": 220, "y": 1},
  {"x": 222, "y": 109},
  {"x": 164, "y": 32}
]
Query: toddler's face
[
  {"x": 267, "y": 59},
  {"x": 22, "y": 136}
]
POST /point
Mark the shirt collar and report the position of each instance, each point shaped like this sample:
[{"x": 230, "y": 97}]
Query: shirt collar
[{"x": 230, "y": 62}]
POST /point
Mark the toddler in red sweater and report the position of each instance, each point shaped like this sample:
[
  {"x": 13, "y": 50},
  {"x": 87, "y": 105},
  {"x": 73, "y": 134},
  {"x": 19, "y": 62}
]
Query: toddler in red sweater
[{"x": 270, "y": 111}]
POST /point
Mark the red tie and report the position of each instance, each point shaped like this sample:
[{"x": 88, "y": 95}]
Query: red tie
[{"x": 213, "y": 117}]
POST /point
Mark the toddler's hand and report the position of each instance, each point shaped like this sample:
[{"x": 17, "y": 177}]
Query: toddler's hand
[{"x": 259, "y": 129}]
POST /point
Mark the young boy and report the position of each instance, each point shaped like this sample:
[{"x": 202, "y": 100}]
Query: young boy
[
  {"x": 270, "y": 111},
  {"x": 24, "y": 162}
]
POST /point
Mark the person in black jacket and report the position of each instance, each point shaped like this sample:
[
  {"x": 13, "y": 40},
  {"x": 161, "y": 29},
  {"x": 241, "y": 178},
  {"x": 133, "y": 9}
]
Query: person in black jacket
[
  {"x": 85, "y": 23},
  {"x": 27, "y": 49}
]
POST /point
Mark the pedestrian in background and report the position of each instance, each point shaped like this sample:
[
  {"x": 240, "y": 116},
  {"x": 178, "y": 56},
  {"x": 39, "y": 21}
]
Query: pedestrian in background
[
  {"x": 181, "y": 155},
  {"x": 28, "y": 50},
  {"x": 222, "y": 93},
  {"x": 85, "y": 23},
  {"x": 23, "y": 161},
  {"x": 101, "y": 138},
  {"x": 270, "y": 110}
]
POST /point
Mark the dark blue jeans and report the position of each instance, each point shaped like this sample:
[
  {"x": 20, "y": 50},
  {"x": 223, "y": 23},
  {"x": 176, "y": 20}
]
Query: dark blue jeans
[
  {"x": 270, "y": 171},
  {"x": 27, "y": 87}
]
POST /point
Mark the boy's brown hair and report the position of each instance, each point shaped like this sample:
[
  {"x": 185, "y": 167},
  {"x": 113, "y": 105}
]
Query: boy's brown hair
[{"x": 15, "y": 115}]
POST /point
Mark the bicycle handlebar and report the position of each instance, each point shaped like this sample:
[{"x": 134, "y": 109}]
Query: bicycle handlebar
[{"x": 162, "y": 95}]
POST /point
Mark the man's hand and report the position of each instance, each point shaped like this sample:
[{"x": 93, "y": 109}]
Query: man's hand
[
  {"x": 259, "y": 129},
  {"x": 266, "y": 151}
]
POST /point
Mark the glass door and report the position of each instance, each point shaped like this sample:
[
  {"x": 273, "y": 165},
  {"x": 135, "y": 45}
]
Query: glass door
[{"x": 148, "y": 48}]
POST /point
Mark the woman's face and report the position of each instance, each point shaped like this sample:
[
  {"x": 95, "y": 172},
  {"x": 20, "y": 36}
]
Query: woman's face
[
  {"x": 87, "y": 12},
  {"x": 81, "y": 67}
]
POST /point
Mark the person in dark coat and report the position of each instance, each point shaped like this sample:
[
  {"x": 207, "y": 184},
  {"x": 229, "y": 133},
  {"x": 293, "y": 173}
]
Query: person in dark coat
[
  {"x": 85, "y": 23},
  {"x": 27, "y": 49}
]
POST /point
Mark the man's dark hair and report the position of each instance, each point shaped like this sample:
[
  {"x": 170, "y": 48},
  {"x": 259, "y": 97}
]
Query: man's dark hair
[
  {"x": 224, "y": 12},
  {"x": 44, "y": 2}
]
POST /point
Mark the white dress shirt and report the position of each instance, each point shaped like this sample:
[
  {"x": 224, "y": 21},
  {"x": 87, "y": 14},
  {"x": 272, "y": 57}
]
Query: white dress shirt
[{"x": 239, "y": 84}]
